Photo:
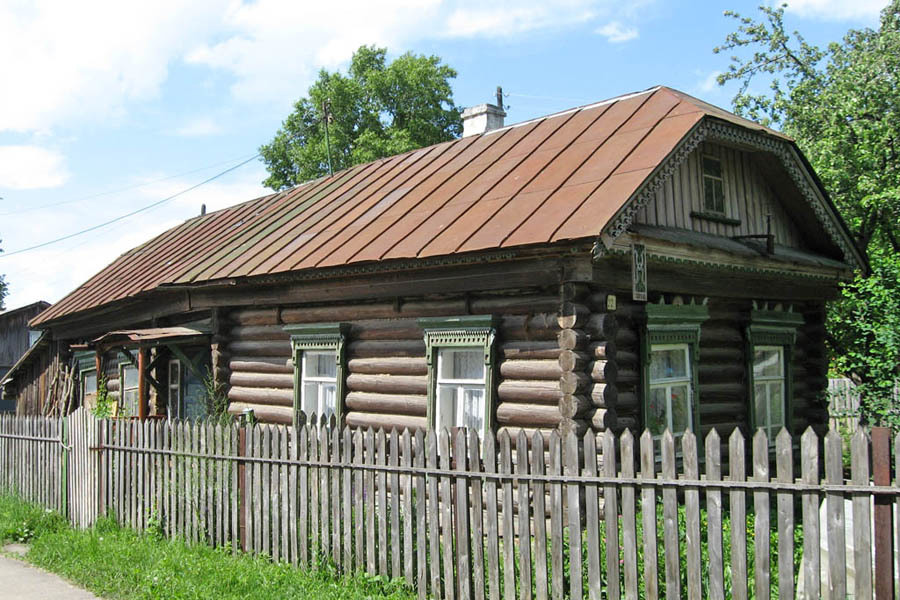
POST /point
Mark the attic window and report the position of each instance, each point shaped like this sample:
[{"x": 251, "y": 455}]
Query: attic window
[{"x": 713, "y": 186}]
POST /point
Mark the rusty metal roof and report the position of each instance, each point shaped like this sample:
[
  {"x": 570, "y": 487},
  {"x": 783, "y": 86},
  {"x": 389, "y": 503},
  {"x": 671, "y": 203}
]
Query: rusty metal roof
[
  {"x": 557, "y": 178},
  {"x": 140, "y": 336}
]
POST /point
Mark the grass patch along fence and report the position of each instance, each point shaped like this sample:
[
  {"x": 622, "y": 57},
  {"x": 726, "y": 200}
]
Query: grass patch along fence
[
  {"x": 114, "y": 562},
  {"x": 461, "y": 517}
]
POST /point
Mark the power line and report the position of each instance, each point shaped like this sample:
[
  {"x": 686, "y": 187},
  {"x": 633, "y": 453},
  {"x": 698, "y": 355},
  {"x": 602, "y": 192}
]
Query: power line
[
  {"x": 120, "y": 190},
  {"x": 131, "y": 214}
]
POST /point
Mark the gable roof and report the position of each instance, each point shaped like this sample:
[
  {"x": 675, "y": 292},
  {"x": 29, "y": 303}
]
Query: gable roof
[{"x": 558, "y": 178}]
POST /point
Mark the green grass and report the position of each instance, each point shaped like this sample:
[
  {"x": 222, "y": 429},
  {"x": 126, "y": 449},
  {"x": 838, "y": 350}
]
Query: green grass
[{"x": 117, "y": 563}]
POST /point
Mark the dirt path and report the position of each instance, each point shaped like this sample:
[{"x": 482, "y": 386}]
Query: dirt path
[{"x": 22, "y": 581}]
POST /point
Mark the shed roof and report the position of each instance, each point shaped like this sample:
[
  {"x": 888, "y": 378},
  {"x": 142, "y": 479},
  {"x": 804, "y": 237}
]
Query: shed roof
[{"x": 558, "y": 178}]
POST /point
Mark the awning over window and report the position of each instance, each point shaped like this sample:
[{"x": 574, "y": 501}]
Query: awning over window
[{"x": 150, "y": 337}]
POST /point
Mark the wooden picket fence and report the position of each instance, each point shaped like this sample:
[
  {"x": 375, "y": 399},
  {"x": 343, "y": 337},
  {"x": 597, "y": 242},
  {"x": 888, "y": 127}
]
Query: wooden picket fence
[{"x": 462, "y": 517}]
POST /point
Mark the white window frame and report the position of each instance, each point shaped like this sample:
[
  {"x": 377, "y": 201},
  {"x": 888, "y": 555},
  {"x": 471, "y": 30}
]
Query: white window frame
[
  {"x": 460, "y": 385},
  {"x": 667, "y": 383},
  {"x": 133, "y": 410},
  {"x": 771, "y": 429},
  {"x": 312, "y": 338},
  {"x": 320, "y": 381},
  {"x": 720, "y": 178}
]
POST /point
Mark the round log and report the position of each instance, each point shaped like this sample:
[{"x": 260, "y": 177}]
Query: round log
[
  {"x": 725, "y": 334},
  {"x": 261, "y": 364},
  {"x": 265, "y": 396},
  {"x": 383, "y": 348},
  {"x": 259, "y": 332},
  {"x": 389, "y": 366},
  {"x": 631, "y": 423},
  {"x": 626, "y": 339},
  {"x": 387, "y": 422},
  {"x": 603, "y": 371},
  {"x": 577, "y": 426},
  {"x": 627, "y": 401},
  {"x": 572, "y": 339},
  {"x": 574, "y": 383},
  {"x": 604, "y": 395},
  {"x": 602, "y": 419},
  {"x": 529, "y": 350},
  {"x": 715, "y": 392},
  {"x": 604, "y": 350},
  {"x": 544, "y": 392},
  {"x": 527, "y": 415},
  {"x": 386, "y": 329},
  {"x": 254, "y": 316},
  {"x": 542, "y": 326},
  {"x": 711, "y": 410},
  {"x": 387, "y": 403},
  {"x": 709, "y": 355},
  {"x": 573, "y": 360},
  {"x": 715, "y": 373},
  {"x": 260, "y": 348},
  {"x": 338, "y": 312},
  {"x": 574, "y": 406},
  {"x": 518, "y": 304},
  {"x": 530, "y": 369},
  {"x": 598, "y": 301},
  {"x": 602, "y": 326},
  {"x": 573, "y": 315},
  {"x": 262, "y": 380},
  {"x": 265, "y": 414},
  {"x": 387, "y": 384}
]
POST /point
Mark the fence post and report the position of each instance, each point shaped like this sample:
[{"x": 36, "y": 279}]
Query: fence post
[
  {"x": 881, "y": 467},
  {"x": 64, "y": 465},
  {"x": 242, "y": 487}
]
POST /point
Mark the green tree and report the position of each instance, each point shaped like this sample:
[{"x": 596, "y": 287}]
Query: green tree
[
  {"x": 377, "y": 109},
  {"x": 842, "y": 106}
]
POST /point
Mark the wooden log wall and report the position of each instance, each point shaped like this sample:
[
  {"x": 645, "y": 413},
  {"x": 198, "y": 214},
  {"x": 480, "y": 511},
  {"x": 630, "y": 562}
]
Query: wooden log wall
[
  {"x": 722, "y": 379},
  {"x": 32, "y": 381},
  {"x": 386, "y": 370}
]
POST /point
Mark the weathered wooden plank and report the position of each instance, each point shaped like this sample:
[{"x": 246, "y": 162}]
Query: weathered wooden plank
[
  {"x": 407, "y": 508},
  {"x": 541, "y": 584},
  {"x": 761, "y": 574},
  {"x": 324, "y": 492},
  {"x": 716, "y": 588},
  {"x": 421, "y": 581},
  {"x": 303, "y": 498},
  {"x": 395, "y": 526},
  {"x": 629, "y": 528},
  {"x": 738, "y": 507},
  {"x": 834, "y": 508},
  {"x": 371, "y": 564},
  {"x": 315, "y": 541},
  {"x": 361, "y": 518},
  {"x": 267, "y": 511},
  {"x": 524, "y": 533},
  {"x": 477, "y": 517},
  {"x": 611, "y": 515},
  {"x": 573, "y": 502},
  {"x": 347, "y": 499},
  {"x": 809, "y": 467},
  {"x": 592, "y": 518},
  {"x": 648, "y": 516},
  {"x": 784, "y": 471},
  {"x": 690, "y": 460},
  {"x": 670, "y": 518},
  {"x": 381, "y": 503},
  {"x": 434, "y": 528},
  {"x": 491, "y": 525},
  {"x": 336, "y": 499},
  {"x": 862, "y": 517},
  {"x": 446, "y": 504},
  {"x": 463, "y": 533},
  {"x": 508, "y": 526}
]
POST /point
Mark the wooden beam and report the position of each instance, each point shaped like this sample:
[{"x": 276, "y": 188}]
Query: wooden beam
[{"x": 142, "y": 384}]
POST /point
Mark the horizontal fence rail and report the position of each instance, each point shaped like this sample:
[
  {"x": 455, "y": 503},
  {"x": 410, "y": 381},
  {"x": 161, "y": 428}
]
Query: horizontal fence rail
[{"x": 460, "y": 515}]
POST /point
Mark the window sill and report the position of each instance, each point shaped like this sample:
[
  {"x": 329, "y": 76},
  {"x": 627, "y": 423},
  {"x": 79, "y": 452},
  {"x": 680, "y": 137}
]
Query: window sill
[{"x": 715, "y": 218}]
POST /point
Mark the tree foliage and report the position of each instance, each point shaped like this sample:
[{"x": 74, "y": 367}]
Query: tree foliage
[
  {"x": 842, "y": 106},
  {"x": 377, "y": 109}
]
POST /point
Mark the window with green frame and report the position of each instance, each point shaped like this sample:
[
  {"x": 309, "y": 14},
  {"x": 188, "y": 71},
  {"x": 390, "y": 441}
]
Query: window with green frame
[
  {"x": 86, "y": 363},
  {"x": 460, "y": 356},
  {"x": 670, "y": 348},
  {"x": 771, "y": 336},
  {"x": 318, "y": 358}
]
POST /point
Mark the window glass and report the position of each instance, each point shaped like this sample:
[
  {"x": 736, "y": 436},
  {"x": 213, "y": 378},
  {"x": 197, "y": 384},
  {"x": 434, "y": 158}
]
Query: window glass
[
  {"x": 713, "y": 185},
  {"x": 671, "y": 399},
  {"x": 769, "y": 389},
  {"x": 318, "y": 383},
  {"x": 460, "y": 388},
  {"x": 129, "y": 391}
]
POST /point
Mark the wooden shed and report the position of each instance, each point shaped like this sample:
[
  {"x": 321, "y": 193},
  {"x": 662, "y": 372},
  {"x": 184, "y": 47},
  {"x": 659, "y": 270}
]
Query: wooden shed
[{"x": 646, "y": 261}]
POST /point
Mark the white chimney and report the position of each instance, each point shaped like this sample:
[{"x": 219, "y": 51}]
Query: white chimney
[{"x": 484, "y": 117}]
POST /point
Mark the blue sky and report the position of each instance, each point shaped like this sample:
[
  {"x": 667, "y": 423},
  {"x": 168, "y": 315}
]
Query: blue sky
[{"x": 109, "y": 106}]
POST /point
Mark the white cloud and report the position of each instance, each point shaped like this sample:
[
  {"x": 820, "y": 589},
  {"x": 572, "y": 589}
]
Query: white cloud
[
  {"x": 199, "y": 127},
  {"x": 837, "y": 10},
  {"x": 505, "y": 19},
  {"x": 31, "y": 167},
  {"x": 708, "y": 81},
  {"x": 616, "y": 33}
]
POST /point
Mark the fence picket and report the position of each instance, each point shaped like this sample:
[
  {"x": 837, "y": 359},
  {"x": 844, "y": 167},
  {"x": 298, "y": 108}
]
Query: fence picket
[
  {"x": 336, "y": 499},
  {"x": 670, "y": 518},
  {"x": 347, "y": 497},
  {"x": 446, "y": 508},
  {"x": 784, "y": 471},
  {"x": 629, "y": 529},
  {"x": 381, "y": 502},
  {"x": 690, "y": 460},
  {"x": 434, "y": 530},
  {"x": 648, "y": 517},
  {"x": 463, "y": 533},
  {"x": 408, "y": 514},
  {"x": 592, "y": 517},
  {"x": 834, "y": 503},
  {"x": 396, "y": 549},
  {"x": 738, "y": 507},
  {"x": 809, "y": 467},
  {"x": 714, "y": 516},
  {"x": 508, "y": 525},
  {"x": 324, "y": 495},
  {"x": 370, "y": 503},
  {"x": 293, "y": 500},
  {"x": 303, "y": 498},
  {"x": 421, "y": 580},
  {"x": 540, "y": 517},
  {"x": 862, "y": 516},
  {"x": 491, "y": 525},
  {"x": 474, "y": 446},
  {"x": 761, "y": 573},
  {"x": 314, "y": 533},
  {"x": 611, "y": 515},
  {"x": 358, "y": 502}
]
